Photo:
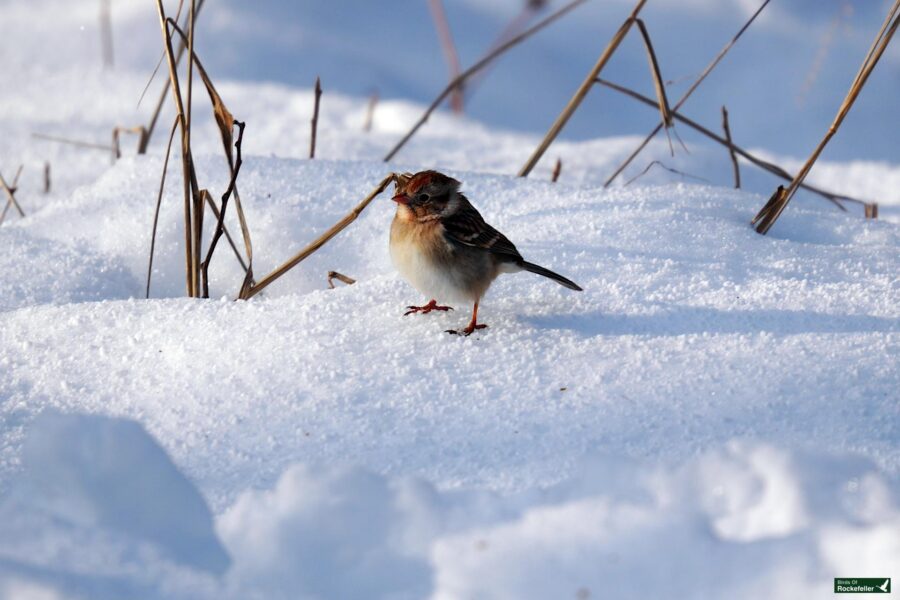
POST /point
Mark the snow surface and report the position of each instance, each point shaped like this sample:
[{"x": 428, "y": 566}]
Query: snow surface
[
  {"x": 770, "y": 523},
  {"x": 716, "y": 416}
]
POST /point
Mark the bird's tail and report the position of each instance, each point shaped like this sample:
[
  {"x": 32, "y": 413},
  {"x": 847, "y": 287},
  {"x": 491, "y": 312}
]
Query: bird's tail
[{"x": 533, "y": 268}]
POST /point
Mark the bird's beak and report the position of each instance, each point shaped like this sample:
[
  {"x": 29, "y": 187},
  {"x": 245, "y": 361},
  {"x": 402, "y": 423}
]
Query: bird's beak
[{"x": 401, "y": 199}]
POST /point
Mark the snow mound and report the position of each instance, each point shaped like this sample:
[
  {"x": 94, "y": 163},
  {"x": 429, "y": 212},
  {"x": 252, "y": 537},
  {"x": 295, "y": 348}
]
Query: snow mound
[
  {"x": 110, "y": 475},
  {"x": 775, "y": 524},
  {"x": 57, "y": 273},
  {"x": 329, "y": 533}
]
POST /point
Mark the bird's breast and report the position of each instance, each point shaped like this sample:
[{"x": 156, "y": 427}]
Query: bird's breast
[{"x": 425, "y": 258}]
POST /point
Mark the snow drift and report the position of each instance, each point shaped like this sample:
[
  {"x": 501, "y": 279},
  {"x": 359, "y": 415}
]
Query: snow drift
[{"x": 743, "y": 521}]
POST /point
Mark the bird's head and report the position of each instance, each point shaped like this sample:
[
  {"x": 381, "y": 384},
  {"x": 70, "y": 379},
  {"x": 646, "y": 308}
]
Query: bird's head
[{"x": 426, "y": 196}]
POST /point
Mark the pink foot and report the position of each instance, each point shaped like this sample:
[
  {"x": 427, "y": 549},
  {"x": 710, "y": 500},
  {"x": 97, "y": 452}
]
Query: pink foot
[
  {"x": 433, "y": 305},
  {"x": 468, "y": 330}
]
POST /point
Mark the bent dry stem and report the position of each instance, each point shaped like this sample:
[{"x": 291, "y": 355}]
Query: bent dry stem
[
  {"x": 834, "y": 198},
  {"x": 582, "y": 91},
  {"x": 465, "y": 75},
  {"x": 766, "y": 217},
  {"x": 709, "y": 69},
  {"x": 321, "y": 240}
]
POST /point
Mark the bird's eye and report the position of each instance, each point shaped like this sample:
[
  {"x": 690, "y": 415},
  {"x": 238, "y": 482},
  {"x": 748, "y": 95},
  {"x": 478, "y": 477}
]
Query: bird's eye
[{"x": 423, "y": 198}]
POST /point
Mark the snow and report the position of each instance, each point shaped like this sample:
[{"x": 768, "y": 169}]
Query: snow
[
  {"x": 774, "y": 524},
  {"x": 97, "y": 472},
  {"x": 693, "y": 330},
  {"x": 715, "y": 416}
]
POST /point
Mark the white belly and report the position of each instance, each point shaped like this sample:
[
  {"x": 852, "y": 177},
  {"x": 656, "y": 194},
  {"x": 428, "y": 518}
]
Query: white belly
[{"x": 431, "y": 279}]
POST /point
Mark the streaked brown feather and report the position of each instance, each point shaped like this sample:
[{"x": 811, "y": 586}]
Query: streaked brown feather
[{"x": 466, "y": 226}]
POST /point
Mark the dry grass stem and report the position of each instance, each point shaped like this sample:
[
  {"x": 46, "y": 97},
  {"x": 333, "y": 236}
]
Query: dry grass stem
[
  {"x": 657, "y": 163},
  {"x": 151, "y": 126},
  {"x": 530, "y": 8},
  {"x": 582, "y": 90},
  {"x": 225, "y": 122},
  {"x": 194, "y": 199},
  {"x": 159, "y": 195},
  {"x": 106, "y": 34},
  {"x": 322, "y": 239},
  {"x": 709, "y": 68},
  {"x": 478, "y": 66},
  {"x": 774, "y": 199},
  {"x": 557, "y": 169},
  {"x": 314, "y": 124},
  {"x": 220, "y": 221},
  {"x": 10, "y": 191},
  {"x": 734, "y": 161},
  {"x": 211, "y": 203},
  {"x": 370, "y": 111},
  {"x": 71, "y": 142},
  {"x": 332, "y": 275},
  {"x": 836, "y": 199},
  {"x": 766, "y": 217},
  {"x": 664, "y": 110},
  {"x": 449, "y": 49},
  {"x": 825, "y": 45},
  {"x": 140, "y": 131},
  {"x": 197, "y": 197},
  {"x": 4, "y": 211},
  {"x": 187, "y": 163}
]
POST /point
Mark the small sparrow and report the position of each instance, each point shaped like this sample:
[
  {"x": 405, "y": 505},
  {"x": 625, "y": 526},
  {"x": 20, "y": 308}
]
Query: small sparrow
[{"x": 444, "y": 248}]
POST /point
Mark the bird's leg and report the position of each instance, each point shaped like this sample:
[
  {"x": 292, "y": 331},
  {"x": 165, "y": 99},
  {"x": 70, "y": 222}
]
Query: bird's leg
[
  {"x": 433, "y": 305},
  {"x": 472, "y": 326}
]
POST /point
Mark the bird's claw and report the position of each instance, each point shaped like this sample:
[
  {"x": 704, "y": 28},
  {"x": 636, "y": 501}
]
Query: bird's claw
[
  {"x": 426, "y": 309},
  {"x": 467, "y": 331}
]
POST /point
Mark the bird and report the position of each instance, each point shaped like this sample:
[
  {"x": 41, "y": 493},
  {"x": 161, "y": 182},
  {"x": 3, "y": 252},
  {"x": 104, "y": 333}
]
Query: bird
[{"x": 442, "y": 245}]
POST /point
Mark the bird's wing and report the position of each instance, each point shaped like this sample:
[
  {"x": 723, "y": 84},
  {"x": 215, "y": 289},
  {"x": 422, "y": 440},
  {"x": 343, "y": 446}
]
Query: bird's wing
[{"x": 466, "y": 226}]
